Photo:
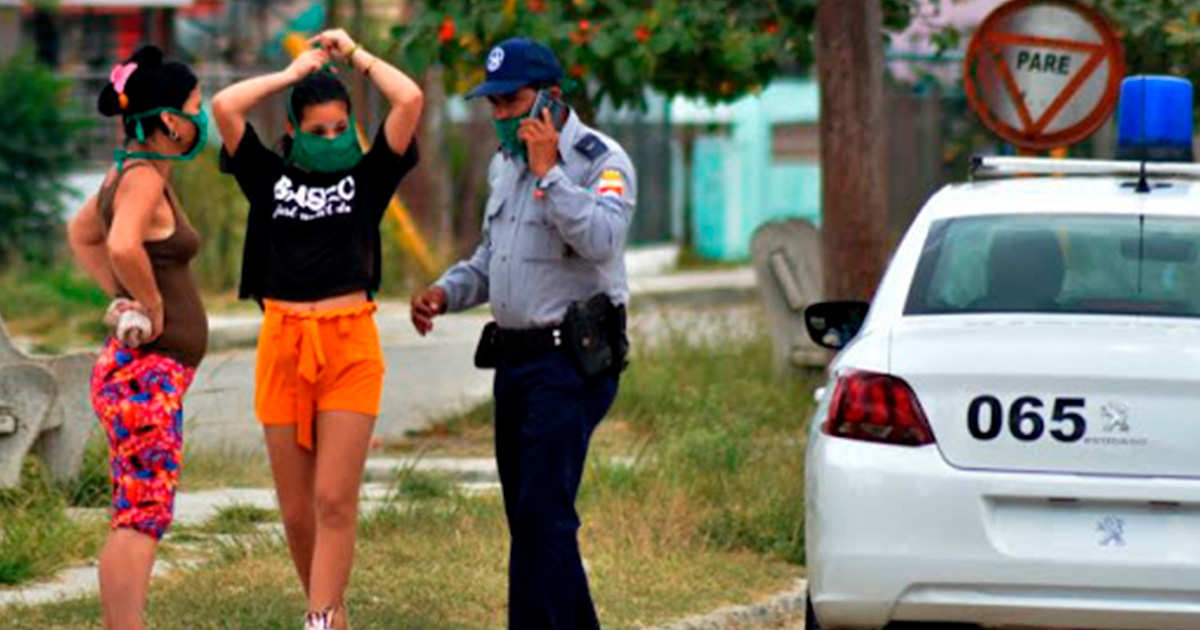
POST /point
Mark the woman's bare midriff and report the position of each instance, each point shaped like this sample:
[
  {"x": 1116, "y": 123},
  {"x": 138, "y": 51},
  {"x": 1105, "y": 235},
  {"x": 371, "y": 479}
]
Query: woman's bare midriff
[{"x": 349, "y": 300}]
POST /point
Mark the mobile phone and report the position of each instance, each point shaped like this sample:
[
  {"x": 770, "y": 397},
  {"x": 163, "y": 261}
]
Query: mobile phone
[{"x": 546, "y": 100}]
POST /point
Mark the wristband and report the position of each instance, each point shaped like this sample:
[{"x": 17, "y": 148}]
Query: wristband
[{"x": 350, "y": 55}]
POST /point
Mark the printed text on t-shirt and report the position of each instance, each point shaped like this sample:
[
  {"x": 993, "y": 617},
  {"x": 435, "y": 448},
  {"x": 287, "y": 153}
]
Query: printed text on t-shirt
[{"x": 308, "y": 203}]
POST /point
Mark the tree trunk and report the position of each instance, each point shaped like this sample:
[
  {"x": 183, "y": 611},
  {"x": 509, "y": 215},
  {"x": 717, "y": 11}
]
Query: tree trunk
[
  {"x": 10, "y": 32},
  {"x": 435, "y": 157},
  {"x": 853, "y": 147},
  {"x": 471, "y": 181},
  {"x": 426, "y": 190}
]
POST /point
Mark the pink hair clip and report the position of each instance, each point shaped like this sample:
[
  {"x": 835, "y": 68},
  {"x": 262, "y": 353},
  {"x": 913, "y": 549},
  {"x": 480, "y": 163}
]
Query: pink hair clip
[{"x": 119, "y": 77}]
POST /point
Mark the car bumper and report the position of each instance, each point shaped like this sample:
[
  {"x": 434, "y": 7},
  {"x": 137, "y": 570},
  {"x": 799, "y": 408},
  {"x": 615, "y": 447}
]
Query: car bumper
[{"x": 896, "y": 534}]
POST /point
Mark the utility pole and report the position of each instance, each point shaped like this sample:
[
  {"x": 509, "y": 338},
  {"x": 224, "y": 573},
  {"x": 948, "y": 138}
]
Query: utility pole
[{"x": 854, "y": 233}]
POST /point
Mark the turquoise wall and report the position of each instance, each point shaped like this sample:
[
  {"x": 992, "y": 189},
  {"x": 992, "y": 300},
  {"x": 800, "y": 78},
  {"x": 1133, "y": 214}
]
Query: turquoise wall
[{"x": 735, "y": 184}]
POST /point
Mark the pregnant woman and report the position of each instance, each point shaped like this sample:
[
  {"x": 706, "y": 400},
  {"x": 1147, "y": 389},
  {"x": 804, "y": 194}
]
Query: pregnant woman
[{"x": 134, "y": 239}]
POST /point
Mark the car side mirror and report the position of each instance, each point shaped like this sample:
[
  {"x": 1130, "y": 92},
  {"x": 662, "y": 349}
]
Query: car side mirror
[{"x": 833, "y": 324}]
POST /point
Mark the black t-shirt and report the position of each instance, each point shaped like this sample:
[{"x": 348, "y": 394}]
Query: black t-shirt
[{"x": 313, "y": 235}]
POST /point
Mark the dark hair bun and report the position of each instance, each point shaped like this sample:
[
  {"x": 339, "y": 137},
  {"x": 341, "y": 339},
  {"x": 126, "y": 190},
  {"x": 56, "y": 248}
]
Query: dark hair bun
[
  {"x": 108, "y": 103},
  {"x": 153, "y": 84},
  {"x": 147, "y": 57}
]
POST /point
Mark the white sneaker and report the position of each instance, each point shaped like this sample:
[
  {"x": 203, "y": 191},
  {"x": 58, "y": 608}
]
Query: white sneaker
[{"x": 322, "y": 620}]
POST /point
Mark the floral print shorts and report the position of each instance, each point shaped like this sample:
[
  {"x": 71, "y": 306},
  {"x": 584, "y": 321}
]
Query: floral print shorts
[{"x": 138, "y": 397}]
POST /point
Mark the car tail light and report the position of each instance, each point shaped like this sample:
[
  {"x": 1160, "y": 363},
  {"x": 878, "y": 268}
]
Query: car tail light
[{"x": 877, "y": 408}]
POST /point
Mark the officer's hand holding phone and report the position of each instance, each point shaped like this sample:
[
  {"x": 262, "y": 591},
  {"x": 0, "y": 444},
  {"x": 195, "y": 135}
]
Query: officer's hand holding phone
[{"x": 540, "y": 132}]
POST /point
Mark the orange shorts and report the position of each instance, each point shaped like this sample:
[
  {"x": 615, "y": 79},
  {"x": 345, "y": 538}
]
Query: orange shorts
[{"x": 314, "y": 362}]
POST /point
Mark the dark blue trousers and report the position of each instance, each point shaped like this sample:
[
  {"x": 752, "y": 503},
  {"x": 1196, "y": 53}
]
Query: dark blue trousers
[{"x": 545, "y": 415}]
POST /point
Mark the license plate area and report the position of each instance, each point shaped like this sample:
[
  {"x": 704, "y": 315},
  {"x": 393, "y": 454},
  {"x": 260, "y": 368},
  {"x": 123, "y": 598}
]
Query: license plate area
[{"x": 1095, "y": 531}]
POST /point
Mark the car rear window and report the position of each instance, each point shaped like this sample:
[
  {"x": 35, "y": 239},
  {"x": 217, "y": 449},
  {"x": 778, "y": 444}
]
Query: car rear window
[{"x": 1134, "y": 265}]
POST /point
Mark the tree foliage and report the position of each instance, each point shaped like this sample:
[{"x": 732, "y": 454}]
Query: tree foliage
[
  {"x": 36, "y": 151},
  {"x": 717, "y": 49},
  {"x": 1160, "y": 37}
]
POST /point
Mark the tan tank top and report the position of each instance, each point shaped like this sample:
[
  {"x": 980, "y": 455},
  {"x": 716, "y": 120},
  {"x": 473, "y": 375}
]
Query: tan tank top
[{"x": 185, "y": 325}]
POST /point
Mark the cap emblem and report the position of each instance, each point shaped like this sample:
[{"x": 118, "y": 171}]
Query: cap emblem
[{"x": 495, "y": 59}]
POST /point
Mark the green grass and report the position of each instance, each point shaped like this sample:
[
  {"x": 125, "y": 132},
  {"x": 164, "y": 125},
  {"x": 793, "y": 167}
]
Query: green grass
[
  {"x": 59, "y": 307},
  {"x": 239, "y": 519},
  {"x": 728, "y": 436},
  {"x": 36, "y": 536},
  {"x": 416, "y": 485},
  {"x": 207, "y": 470},
  {"x": 711, "y": 514},
  {"x": 442, "y": 565},
  {"x": 93, "y": 487}
]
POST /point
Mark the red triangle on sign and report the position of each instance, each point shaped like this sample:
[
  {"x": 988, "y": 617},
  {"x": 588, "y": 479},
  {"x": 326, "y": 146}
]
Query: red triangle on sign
[{"x": 997, "y": 42}]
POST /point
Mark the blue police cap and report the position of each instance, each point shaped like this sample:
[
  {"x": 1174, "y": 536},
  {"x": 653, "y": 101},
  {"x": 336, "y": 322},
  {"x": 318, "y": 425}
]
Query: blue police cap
[{"x": 517, "y": 63}]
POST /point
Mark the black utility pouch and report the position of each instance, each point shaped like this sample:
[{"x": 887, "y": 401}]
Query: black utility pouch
[
  {"x": 487, "y": 353},
  {"x": 618, "y": 338},
  {"x": 587, "y": 333}
]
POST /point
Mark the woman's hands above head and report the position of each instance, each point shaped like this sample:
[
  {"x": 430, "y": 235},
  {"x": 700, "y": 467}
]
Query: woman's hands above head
[
  {"x": 338, "y": 43},
  {"x": 309, "y": 62}
]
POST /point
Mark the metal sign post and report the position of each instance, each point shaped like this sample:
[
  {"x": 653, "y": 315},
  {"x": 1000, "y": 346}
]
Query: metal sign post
[{"x": 1044, "y": 74}]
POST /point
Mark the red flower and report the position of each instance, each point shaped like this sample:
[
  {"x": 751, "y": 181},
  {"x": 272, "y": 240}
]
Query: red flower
[
  {"x": 578, "y": 70},
  {"x": 773, "y": 28},
  {"x": 580, "y": 37},
  {"x": 536, "y": 6},
  {"x": 447, "y": 31},
  {"x": 642, "y": 34}
]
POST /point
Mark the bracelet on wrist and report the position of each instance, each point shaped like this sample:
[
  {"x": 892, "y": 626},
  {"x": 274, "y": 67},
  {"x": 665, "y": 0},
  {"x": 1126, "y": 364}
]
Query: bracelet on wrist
[{"x": 350, "y": 55}]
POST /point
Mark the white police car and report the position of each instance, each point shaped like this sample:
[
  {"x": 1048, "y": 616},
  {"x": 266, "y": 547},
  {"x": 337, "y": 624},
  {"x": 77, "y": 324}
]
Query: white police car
[{"x": 1011, "y": 438}]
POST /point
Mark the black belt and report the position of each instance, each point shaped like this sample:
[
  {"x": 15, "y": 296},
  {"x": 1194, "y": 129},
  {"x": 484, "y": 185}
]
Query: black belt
[{"x": 530, "y": 342}]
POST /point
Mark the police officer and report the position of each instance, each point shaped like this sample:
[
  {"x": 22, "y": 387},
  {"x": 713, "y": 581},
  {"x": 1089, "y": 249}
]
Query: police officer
[{"x": 554, "y": 230}]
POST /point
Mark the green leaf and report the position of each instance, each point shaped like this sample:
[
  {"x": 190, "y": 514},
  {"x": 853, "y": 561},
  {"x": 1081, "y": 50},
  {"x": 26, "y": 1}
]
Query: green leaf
[
  {"x": 604, "y": 45},
  {"x": 626, "y": 72}
]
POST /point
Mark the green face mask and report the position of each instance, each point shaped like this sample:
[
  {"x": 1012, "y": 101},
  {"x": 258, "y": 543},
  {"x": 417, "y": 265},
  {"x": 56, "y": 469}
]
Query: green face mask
[
  {"x": 319, "y": 154},
  {"x": 509, "y": 142},
  {"x": 200, "y": 120}
]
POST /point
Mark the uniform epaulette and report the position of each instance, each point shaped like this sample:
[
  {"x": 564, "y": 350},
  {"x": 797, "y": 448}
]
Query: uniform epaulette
[{"x": 591, "y": 146}]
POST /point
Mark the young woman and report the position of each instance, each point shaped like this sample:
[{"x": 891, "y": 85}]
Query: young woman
[
  {"x": 135, "y": 241},
  {"x": 312, "y": 259}
]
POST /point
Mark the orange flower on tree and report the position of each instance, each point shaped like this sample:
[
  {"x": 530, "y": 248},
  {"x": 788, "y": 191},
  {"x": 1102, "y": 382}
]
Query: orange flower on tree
[
  {"x": 447, "y": 32},
  {"x": 536, "y": 6},
  {"x": 642, "y": 34}
]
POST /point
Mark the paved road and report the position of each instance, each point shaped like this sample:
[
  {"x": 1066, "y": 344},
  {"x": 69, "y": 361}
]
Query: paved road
[{"x": 428, "y": 378}]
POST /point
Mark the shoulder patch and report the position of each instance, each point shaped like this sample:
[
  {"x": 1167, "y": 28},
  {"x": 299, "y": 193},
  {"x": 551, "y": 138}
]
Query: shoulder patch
[
  {"x": 591, "y": 146},
  {"x": 611, "y": 184}
]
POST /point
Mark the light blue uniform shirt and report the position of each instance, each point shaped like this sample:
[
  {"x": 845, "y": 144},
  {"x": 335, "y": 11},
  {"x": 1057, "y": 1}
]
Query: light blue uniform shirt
[{"x": 541, "y": 251}]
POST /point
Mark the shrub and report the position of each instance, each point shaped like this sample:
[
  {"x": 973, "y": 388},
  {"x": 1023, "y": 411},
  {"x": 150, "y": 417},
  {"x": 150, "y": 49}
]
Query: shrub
[{"x": 36, "y": 151}]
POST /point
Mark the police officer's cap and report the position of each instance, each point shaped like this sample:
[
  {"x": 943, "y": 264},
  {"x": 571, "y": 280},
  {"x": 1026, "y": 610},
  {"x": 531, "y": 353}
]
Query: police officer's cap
[{"x": 517, "y": 63}]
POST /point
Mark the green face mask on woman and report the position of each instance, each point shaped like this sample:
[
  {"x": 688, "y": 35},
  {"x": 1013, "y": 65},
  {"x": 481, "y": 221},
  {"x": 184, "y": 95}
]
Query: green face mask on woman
[
  {"x": 200, "y": 120},
  {"x": 319, "y": 154}
]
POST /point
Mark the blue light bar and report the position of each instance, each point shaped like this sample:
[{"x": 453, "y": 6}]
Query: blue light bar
[{"x": 1155, "y": 119}]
